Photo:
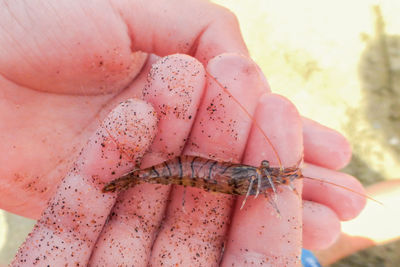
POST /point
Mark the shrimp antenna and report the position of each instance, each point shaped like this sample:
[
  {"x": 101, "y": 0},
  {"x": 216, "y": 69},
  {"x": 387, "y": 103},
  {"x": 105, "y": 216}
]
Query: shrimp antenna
[
  {"x": 255, "y": 123},
  {"x": 345, "y": 188},
  {"x": 118, "y": 145}
]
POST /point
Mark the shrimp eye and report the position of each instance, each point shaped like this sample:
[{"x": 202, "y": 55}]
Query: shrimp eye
[{"x": 265, "y": 164}]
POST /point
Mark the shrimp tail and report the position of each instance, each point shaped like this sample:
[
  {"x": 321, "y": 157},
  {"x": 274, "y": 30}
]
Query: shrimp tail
[{"x": 121, "y": 183}]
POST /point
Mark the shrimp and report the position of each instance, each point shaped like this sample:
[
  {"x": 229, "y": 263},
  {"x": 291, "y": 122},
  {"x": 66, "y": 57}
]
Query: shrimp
[
  {"x": 210, "y": 175},
  {"x": 217, "y": 176}
]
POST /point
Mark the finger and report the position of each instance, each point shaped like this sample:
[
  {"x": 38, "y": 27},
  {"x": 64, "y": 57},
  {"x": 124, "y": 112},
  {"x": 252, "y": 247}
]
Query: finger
[
  {"x": 174, "y": 87},
  {"x": 377, "y": 223},
  {"x": 71, "y": 223},
  {"x": 259, "y": 236},
  {"x": 346, "y": 199},
  {"x": 135, "y": 89},
  {"x": 192, "y": 235},
  {"x": 324, "y": 147},
  {"x": 78, "y": 47},
  {"x": 321, "y": 226},
  {"x": 96, "y": 56},
  {"x": 200, "y": 28}
]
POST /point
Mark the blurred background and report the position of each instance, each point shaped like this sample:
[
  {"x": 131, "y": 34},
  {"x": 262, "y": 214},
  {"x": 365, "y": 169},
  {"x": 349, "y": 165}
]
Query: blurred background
[{"x": 339, "y": 62}]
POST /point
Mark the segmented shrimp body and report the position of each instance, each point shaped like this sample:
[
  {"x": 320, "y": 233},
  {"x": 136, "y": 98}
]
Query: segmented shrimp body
[{"x": 209, "y": 175}]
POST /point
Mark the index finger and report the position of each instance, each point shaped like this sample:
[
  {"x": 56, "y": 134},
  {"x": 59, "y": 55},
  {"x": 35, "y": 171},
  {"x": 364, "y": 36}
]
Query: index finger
[
  {"x": 70, "y": 225},
  {"x": 199, "y": 28}
]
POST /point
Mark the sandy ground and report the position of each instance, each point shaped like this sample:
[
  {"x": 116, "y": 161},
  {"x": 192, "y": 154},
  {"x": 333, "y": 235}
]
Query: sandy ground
[{"x": 339, "y": 62}]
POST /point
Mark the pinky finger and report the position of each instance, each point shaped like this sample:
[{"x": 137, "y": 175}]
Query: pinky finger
[{"x": 321, "y": 226}]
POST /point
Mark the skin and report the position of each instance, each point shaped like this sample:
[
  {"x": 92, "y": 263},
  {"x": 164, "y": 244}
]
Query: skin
[
  {"x": 55, "y": 175},
  {"x": 376, "y": 225}
]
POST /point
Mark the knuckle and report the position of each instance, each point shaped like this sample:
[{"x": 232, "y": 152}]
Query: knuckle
[{"x": 226, "y": 15}]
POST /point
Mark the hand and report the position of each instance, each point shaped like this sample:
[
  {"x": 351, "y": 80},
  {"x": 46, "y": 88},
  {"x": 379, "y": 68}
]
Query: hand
[
  {"x": 62, "y": 72},
  {"x": 199, "y": 227},
  {"x": 63, "y": 130},
  {"x": 377, "y": 224}
]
